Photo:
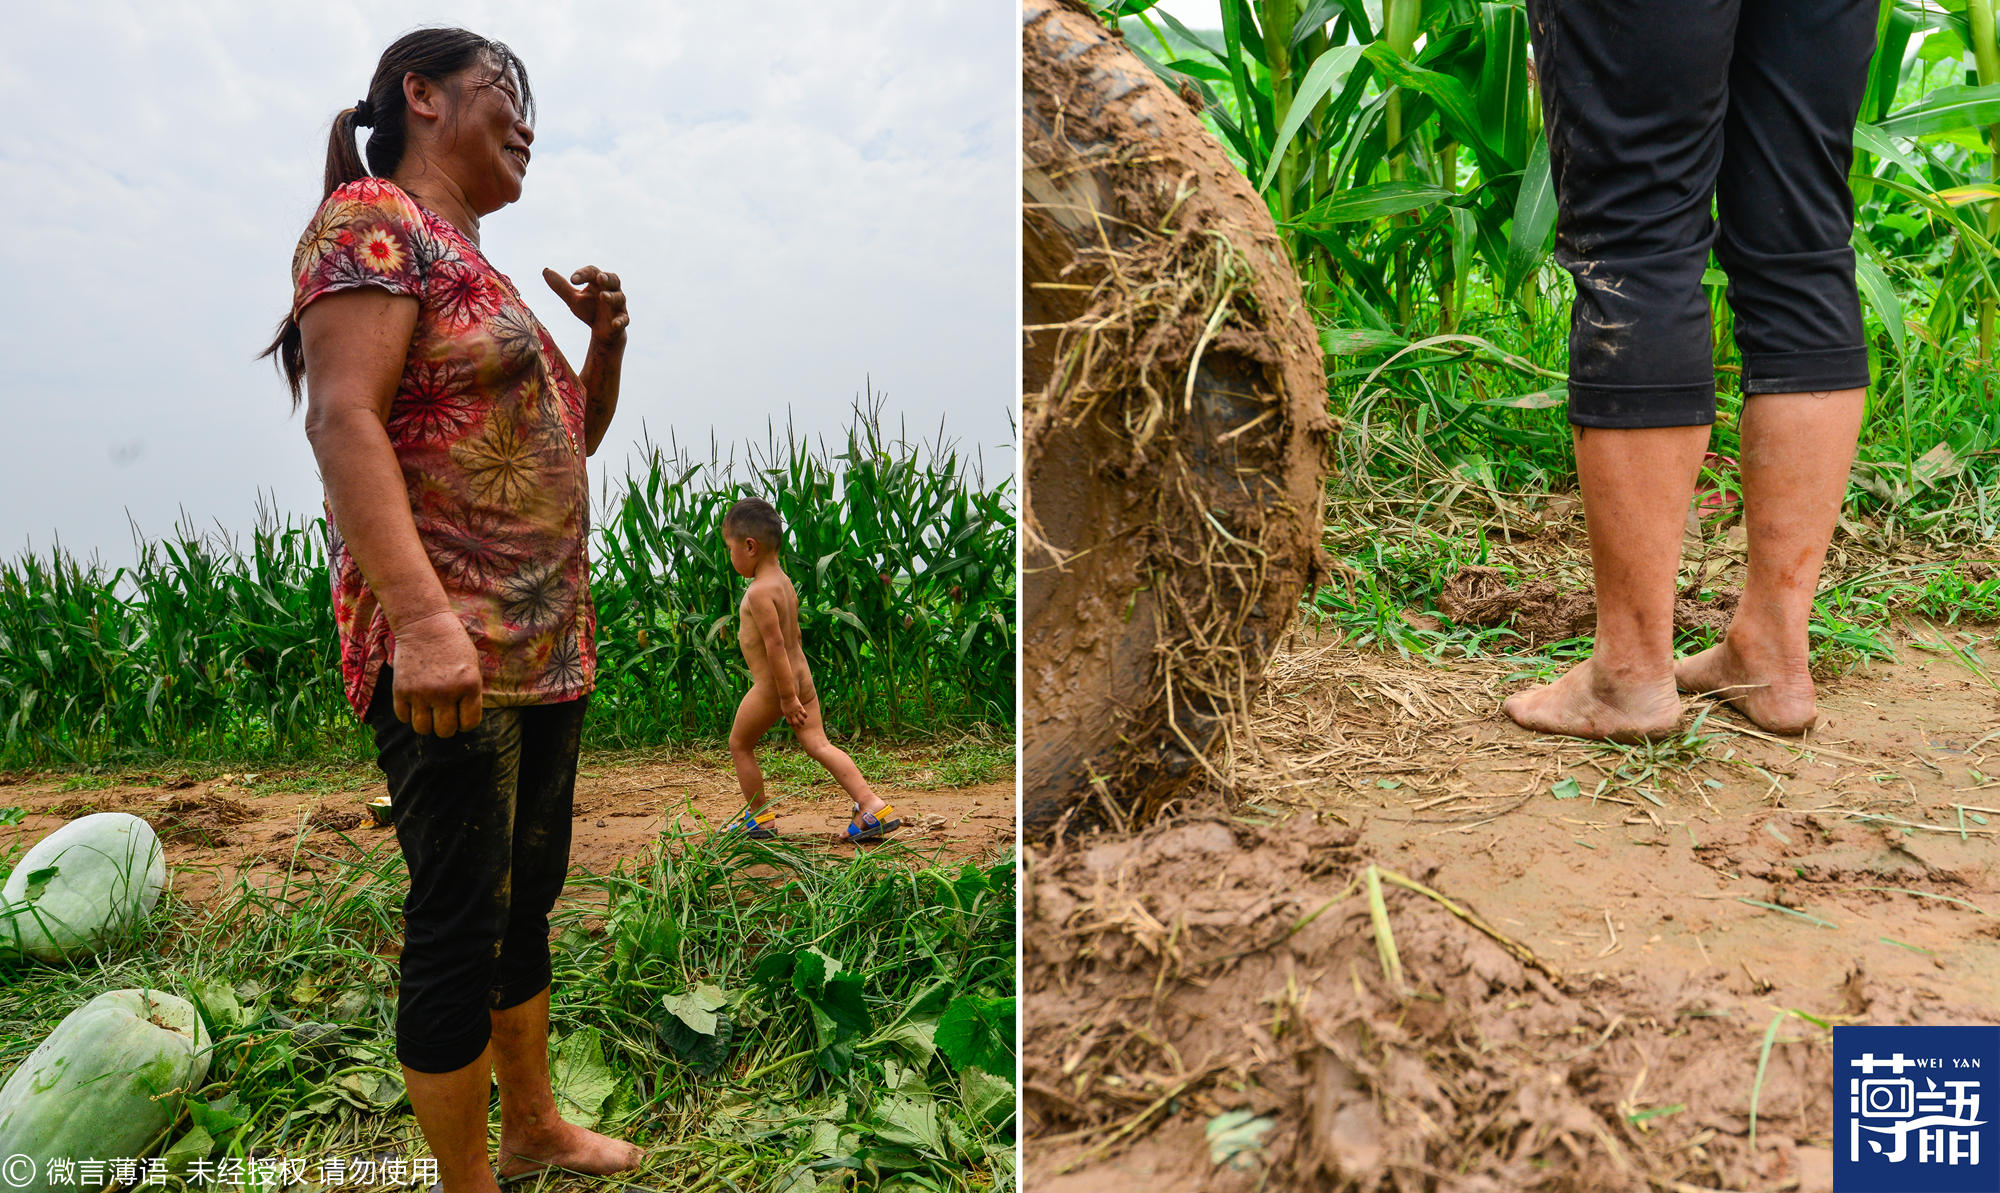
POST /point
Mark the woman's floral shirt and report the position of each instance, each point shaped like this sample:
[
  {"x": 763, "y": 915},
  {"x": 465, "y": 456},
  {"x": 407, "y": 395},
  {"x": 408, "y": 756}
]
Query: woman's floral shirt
[{"x": 487, "y": 424}]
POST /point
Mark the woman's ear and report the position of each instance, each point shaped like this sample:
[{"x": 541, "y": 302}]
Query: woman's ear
[{"x": 423, "y": 96}]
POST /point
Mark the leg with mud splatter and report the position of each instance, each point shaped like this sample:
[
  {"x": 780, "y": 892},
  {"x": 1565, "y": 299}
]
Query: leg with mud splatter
[
  {"x": 1636, "y": 487},
  {"x": 1634, "y": 100},
  {"x": 453, "y": 800},
  {"x": 1796, "y": 452},
  {"x": 1786, "y": 225},
  {"x": 533, "y": 1134},
  {"x": 1652, "y": 114}
]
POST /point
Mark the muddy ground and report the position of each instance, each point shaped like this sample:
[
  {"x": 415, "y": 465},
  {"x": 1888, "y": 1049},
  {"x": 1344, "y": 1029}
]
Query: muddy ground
[
  {"x": 1604, "y": 938},
  {"x": 215, "y": 830}
]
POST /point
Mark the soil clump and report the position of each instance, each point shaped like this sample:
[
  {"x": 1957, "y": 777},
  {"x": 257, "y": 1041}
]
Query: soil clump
[{"x": 1175, "y": 426}]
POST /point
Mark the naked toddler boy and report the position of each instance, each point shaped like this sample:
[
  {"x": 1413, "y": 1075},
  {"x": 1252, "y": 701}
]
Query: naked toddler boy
[{"x": 781, "y": 682}]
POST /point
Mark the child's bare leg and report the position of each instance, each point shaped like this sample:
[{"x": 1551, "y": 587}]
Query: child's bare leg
[
  {"x": 754, "y": 717},
  {"x": 812, "y": 736}
]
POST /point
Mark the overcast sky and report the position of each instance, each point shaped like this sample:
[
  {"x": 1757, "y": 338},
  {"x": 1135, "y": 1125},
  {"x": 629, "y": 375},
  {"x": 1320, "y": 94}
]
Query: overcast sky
[
  {"x": 798, "y": 195},
  {"x": 1196, "y": 14}
]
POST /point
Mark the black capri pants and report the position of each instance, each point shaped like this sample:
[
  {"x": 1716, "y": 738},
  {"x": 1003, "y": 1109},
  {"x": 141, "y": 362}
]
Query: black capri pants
[
  {"x": 1654, "y": 109},
  {"x": 483, "y": 818}
]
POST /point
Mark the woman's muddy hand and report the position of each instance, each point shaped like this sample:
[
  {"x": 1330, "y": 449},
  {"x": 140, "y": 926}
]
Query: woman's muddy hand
[
  {"x": 436, "y": 675},
  {"x": 600, "y": 302}
]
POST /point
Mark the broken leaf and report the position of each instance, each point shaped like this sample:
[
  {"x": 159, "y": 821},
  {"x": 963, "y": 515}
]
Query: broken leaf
[
  {"x": 697, "y": 1007},
  {"x": 580, "y": 1078},
  {"x": 988, "y": 1099}
]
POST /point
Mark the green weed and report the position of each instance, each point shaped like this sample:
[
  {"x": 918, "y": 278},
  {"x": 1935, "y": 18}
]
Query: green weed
[{"x": 759, "y": 1017}]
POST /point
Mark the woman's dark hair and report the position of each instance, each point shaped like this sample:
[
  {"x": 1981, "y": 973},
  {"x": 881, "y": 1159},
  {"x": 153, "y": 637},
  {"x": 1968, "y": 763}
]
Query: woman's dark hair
[{"x": 435, "y": 54}]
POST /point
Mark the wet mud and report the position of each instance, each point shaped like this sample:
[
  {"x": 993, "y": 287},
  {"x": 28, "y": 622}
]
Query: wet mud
[{"x": 1580, "y": 990}]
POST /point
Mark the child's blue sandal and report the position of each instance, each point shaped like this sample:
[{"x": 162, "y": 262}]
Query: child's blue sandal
[
  {"x": 872, "y": 825},
  {"x": 755, "y": 826}
]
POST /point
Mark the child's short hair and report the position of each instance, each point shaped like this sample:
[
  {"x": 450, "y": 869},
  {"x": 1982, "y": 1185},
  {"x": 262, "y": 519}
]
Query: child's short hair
[{"x": 755, "y": 518}]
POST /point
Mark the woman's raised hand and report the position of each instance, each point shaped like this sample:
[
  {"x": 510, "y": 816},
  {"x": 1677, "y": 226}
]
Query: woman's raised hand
[
  {"x": 599, "y": 302},
  {"x": 436, "y": 672}
]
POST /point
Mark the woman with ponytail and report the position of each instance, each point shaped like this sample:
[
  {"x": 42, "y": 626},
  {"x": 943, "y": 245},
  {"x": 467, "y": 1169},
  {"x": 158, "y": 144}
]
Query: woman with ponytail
[{"x": 451, "y": 435}]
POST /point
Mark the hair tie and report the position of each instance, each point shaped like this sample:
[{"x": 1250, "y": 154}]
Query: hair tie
[{"x": 364, "y": 114}]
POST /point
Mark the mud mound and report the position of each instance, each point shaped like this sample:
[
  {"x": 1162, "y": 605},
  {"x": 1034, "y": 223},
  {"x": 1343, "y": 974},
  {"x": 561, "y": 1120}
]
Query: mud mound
[
  {"x": 203, "y": 820},
  {"x": 1541, "y": 612},
  {"x": 1211, "y": 1006},
  {"x": 338, "y": 820},
  {"x": 1175, "y": 422}
]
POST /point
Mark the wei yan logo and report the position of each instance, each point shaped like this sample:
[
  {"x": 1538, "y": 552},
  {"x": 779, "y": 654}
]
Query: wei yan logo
[
  {"x": 1913, "y": 1109},
  {"x": 1898, "y": 1108}
]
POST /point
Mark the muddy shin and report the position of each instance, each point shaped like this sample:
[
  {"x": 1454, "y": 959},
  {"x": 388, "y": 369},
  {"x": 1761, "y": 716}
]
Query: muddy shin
[{"x": 1174, "y": 411}]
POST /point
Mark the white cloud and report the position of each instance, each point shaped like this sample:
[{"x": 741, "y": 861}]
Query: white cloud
[{"x": 796, "y": 199}]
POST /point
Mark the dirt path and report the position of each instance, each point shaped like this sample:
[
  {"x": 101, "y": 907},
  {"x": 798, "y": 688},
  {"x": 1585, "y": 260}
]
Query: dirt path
[
  {"x": 1597, "y": 1021},
  {"x": 215, "y": 829}
]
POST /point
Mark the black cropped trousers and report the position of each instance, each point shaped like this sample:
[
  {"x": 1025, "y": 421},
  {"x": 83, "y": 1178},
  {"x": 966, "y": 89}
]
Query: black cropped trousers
[
  {"x": 1675, "y": 126},
  {"x": 483, "y": 818}
]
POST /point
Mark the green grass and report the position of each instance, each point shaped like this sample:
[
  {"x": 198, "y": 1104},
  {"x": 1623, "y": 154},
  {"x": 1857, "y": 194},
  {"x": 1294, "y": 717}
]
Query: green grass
[
  {"x": 205, "y": 651},
  {"x": 1384, "y": 578},
  {"x": 88, "y": 781},
  {"x": 974, "y": 764},
  {"x": 760, "y": 1017},
  {"x": 325, "y": 779}
]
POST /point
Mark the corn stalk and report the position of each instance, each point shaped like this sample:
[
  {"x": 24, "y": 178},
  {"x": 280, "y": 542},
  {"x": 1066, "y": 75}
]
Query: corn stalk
[
  {"x": 1986, "y": 59},
  {"x": 1356, "y": 132}
]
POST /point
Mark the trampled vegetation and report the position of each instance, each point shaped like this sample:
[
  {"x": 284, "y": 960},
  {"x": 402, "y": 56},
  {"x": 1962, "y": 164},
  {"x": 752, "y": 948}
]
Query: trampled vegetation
[
  {"x": 1399, "y": 147},
  {"x": 902, "y": 553},
  {"x": 755, "y": 1016}
]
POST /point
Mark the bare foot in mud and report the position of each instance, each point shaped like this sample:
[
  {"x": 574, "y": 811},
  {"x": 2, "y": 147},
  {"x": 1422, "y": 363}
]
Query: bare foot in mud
[
  {"x": 568, "y": 1147},
  {"x": 1589, "y": 703},
  {"x": 1773, "y": 689}
]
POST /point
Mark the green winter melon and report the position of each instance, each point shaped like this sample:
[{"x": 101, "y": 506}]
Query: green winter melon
[
  {"x": 107, "y": 1081},
  {"x": 81, "y": 886}
]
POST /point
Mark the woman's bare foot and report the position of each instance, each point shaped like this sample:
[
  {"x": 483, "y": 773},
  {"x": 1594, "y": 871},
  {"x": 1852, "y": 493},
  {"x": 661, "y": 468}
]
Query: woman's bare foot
[
  {"x": 569, "y": 1147},
  {"x": 1593, "y": 704},
  {"x": 1772, "y": 688}
]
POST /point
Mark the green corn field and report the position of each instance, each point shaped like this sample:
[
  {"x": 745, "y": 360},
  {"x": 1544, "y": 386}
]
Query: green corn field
[
  {"x": 905, "y": 576},
  {"x": 1399, "y": 147},
  {"x": 902, "y": 554}
]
